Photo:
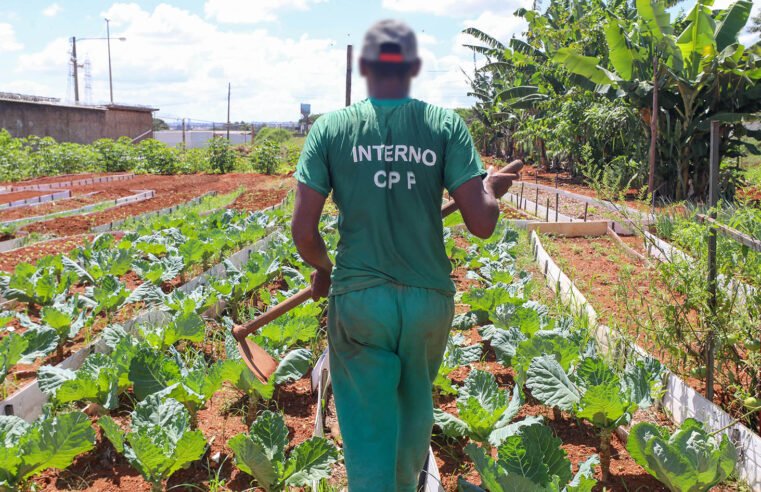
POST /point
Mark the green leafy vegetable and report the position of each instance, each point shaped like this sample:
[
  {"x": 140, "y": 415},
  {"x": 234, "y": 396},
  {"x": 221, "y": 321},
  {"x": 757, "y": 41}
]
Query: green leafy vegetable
[
  {"x": 529, "y": 460},
  {"x": 184, "y": 326},
  {"x": 485, "y": 411},
  {"x": 593, "y": 392},
  {"x": 261, "y": 454},
  {"x": 690, "y": 460},
  {"x": 49, "y": 442},
  {"x": 457, "y": 354},
  {"x": 160, "y": 441}
]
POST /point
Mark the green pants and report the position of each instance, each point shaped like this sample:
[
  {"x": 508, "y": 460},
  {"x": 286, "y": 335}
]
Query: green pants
[{"x": 386, "y": 345}]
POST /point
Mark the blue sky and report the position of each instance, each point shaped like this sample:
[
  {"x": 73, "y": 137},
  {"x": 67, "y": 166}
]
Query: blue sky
[{"x": 179, "y": 56}]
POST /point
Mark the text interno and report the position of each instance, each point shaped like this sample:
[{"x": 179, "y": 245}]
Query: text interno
[{"x": 393, "y": 153}]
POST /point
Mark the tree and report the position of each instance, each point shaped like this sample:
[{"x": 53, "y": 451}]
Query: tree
[
  {"x": 159, "y": 125},
  {"x": 703, "y": 74}
]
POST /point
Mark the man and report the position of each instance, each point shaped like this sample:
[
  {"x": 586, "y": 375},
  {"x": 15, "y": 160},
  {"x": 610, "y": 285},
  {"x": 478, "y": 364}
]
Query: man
[{"x": 387, "y": 161}]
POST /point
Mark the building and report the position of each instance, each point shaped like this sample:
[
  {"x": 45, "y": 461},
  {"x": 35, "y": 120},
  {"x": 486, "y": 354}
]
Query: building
[
  {"x": 24, "y": 115},
  {"x": 196, "y": 139}
]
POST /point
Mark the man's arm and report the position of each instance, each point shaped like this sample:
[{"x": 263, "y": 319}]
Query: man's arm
[
  {"x": 477, "y": 200},
  {"x": 306, "y": 236}
]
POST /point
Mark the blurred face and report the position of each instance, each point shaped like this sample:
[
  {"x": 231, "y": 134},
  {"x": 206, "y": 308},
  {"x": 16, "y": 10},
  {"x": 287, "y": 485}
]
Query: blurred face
[
  {"x": 389, "y": 72},
  {"x": 389, "y": 80}
]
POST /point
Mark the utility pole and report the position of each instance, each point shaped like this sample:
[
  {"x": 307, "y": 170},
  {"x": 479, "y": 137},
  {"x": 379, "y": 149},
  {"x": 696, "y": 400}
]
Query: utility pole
[
  {"x": 349, "y": 50},
  {"x": 74, "y": 63},
  {"x": 110, "y": 79},
  {"x": 228, "y": 111},
  {"x": 183, "y": 133}
]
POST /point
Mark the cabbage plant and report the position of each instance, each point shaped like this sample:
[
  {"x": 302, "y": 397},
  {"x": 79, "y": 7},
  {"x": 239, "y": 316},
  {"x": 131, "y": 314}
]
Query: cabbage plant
[
  {"x": 160, "y": 440},
  {"x": 49, "y": 442},
  {"x": 485, "y": 411},
  {"x": 261, "y": 454},
  {"x": 690, "y": 460},
  {"x": 290, "y": 368},
  {"x": 595, "y": 392},
  {"x": 23, "y": 348},
  {"x": 457, "y": 354},
  {"x": 529, "y": 460}
]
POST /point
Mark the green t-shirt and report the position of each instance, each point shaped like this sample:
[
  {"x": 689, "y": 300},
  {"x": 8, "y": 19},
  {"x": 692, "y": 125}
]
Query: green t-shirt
[{"x": 388, "y": 163}]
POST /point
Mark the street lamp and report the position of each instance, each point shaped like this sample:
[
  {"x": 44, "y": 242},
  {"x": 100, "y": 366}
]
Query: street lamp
[{"x": 76, "y": 66}]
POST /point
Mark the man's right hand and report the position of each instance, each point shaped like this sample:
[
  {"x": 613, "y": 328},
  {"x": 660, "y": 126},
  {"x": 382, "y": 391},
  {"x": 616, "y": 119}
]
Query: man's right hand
[
  {"x": 320, "y": 284},
  {"x": 497, "y": 184}
]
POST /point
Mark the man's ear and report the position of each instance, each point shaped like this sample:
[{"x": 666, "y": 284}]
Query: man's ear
[
  {"x": 416, "y": 65},
  {"x": 363, "y": 67}
]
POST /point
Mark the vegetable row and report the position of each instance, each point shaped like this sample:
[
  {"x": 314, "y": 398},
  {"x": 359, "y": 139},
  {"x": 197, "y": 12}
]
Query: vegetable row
[{"x": 63, "y": 295}]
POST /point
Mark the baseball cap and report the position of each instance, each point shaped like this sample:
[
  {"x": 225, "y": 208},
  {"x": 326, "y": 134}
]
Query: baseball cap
[{"x": 390, "y": 41}]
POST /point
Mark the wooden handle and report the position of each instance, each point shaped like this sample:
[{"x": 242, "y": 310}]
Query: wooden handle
[{"x": 241, "y": 332}]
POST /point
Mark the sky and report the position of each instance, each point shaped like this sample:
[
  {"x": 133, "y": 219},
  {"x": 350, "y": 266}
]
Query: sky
[{"x": 179, "y": 56}]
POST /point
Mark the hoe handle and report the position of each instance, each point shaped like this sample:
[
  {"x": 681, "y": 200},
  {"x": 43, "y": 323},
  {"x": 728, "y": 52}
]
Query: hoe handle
[{"x": 241, "y": 332}]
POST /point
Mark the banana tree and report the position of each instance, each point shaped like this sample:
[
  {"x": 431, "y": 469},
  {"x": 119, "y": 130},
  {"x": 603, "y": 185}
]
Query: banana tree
[{"x": 702, "y": 73}]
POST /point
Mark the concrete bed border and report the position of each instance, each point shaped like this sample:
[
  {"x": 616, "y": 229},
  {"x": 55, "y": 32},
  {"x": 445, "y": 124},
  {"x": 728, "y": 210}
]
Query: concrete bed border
[
  {"x": 27, "y": 401},
  {"x": 680, "y": 400},
  {"x": 168, "y": 210},
  {"x": 36, "y": 200},
  {"x": 140, "y": 196},
  {"x": 66, "y": 184},
  {"x": 16, "y": 243}
]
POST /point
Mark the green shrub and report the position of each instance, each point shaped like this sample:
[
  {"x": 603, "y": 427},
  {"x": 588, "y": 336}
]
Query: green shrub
[
  {"x": 156, "y": 158},
  {"x": 195, "y": 161},
  {"x": 277, "y": 135},
  {"x": 265, "y": 157},
  {"x": 220, "y": 155},
  {"x": 116, "y": 155}
]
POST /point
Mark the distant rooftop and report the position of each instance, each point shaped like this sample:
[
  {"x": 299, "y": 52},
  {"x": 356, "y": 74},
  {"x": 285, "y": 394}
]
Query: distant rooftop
[{"x": 54, "y": 101}]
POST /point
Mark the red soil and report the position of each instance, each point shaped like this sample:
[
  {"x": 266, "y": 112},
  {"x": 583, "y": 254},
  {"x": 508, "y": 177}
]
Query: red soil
[{"x": 32, "y": 253}]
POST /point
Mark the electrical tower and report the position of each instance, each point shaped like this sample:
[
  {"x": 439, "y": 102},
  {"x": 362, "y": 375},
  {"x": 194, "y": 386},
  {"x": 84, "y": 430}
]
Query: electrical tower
[
  {"x": 88, "y": 80},
  {"x": 70, "y": 77}
]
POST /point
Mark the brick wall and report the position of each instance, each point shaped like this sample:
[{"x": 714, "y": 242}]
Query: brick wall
[{"x": 80, "y": 124}]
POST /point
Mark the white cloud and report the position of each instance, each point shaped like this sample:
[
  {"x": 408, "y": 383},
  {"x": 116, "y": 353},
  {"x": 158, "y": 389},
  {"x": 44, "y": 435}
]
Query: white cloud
[
  {"x": 8, "y": 40},
  {"x": 52, "y": 10},
  {"x": 182, "y": 63},
  {"x": 455, "y": 8},
  {"x": 251, "y": 12},
  {"x": 499, "y": 26}
]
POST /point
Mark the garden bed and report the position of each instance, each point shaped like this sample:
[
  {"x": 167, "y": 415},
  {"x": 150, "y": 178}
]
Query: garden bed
[
  {"x": 680, "y": 399},
  {"x": 77, "y": 201},
  {"x": 170, "y": 190},
  {"x": 617, "y": 287}
]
